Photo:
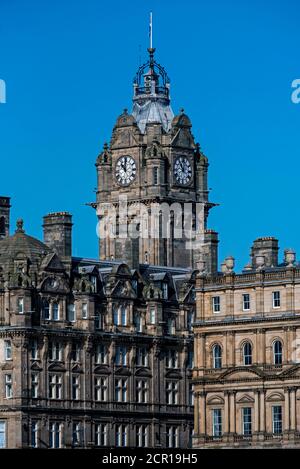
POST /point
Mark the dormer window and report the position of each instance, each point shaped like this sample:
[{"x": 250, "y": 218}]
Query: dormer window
[
  {"x": 171, "y": 326},
  {"x": 135, "y": 285},
  {"x": 71, "y": 312},
  {"x": 165, "y": 290},
  {"x": 94, "y": 282},
  {"x": 55, "y": 311},
  {"x": 46, "y": 310},
  {"x": 138, "y": 322}
]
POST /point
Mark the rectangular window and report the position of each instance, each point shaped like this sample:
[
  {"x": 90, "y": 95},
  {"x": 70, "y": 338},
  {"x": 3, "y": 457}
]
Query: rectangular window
[
  {"x": 121, "y": 435},
  {"x": 142, "y": 358},
  {"x": 121, "y": 356},
  {"x": 34, "y": 385},
  {"x": 7, "y": 350},
  {"x": 75, "y": 387},
  {"x": 2, "y": 434},
  {"x": 172, "y": 392},
  {"x": 121, "y": 390},
  {"x": 55, "y": 311},
  {"x": 101, "y": 389},
  {"x": 55, "y": 387},
  {"x": 71, "y": 312},
  {"x": 101, "y": 434},
  {"x": 33, "y": 349},
  {"x": 55, "y": 435},
  {"x": 138, "y": 322},
  {"x": 20, "y": 305},
  {"x": 115, "y": 316},
  {"x": 172, "y": 437},
  {"x": 217, "y": 422},
  {"x": 123, "y": 316},
  {"x": 246, "y": 302},
  {"x": 216, "y": 304},
  {"x": 101, "y": 357},
  {"x": 8, "y": 386},
  {"x": 55, "y": 352},
  {"x": 142, "y": 391},
  {"x": 172, "y": 359},
  {"x": 276, "y": 299},
  {"x": 84, "y": 311},
  {"x": 142, "y": 436},
  {"x": 76, "y": 434},
  {"x": 247, "y": 421},
  {"x": 190, "y": 320},
  {"x": 152, "y": 315},
  {"x": 171, "y": 326},
  {"x": 155, "y": 176},
  {"x": 34, "y": 434},
  {"x": 190, "y": 360},
  {"x": 75, "y": 352},
  {"x": 165, "y": 290},
  {"x": 191, "y": 394},
  {"x": 277, "y": 419}
]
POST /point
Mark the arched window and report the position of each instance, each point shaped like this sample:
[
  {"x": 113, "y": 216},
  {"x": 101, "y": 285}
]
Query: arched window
[
  {"x": 277, "y": 352},
  {"x": 55, "y": 311},
  {"x": 46, "y": 309},
  {"x": 217, "y": 356},
  {"x": 247, "y": 353},
  {"x": 2, "y": 226}
]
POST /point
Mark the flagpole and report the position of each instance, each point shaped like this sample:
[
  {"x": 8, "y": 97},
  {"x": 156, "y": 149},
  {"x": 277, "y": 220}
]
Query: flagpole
[{"x": 151, "y": 37}]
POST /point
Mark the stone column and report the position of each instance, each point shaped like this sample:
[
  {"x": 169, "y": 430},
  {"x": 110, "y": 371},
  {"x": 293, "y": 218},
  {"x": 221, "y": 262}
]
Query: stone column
[
  {"x": 293, "y": 408},
  {"x": 262, "y": 425},
  {"x": 202, "y": 416},
  {"x": 256, "y": 411},
  {"x": 226, "y": 412},
  {"x": 232, "y": 413},
  {"x": 196, "y": 413},
  {"x": 286, "y": 410}
]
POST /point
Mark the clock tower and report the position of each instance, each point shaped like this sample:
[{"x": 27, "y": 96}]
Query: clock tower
[{"x": 152, "y": 196}]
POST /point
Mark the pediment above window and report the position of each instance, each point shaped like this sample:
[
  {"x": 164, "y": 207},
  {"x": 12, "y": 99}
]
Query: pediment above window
[
  {"x": 275, "y": 397},
  {"x": 245, "y": 399},
  {"x": 172, "y": 374},
  {"x": 102, "y": 370},
  {"x": 56, "y": 367},
  {"x": 123, "y": 371},
  {"x": 36, "y": 367},
  {"x": 143, "y": 372},
  {"x": 215, "y": 400}
]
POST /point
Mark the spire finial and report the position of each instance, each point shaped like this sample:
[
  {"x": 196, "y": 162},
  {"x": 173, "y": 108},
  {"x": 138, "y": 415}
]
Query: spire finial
[{"x": 20, "y": 224}]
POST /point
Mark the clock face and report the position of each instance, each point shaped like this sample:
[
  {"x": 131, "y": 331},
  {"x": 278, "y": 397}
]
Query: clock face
[
  {"x": 125, "y": 170},
  {"x": 182, "y": 170}
]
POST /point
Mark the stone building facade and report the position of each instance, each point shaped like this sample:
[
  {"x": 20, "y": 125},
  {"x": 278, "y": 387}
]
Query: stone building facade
[
  {"x": 99, "y": 352},
  {"x": 247, "y": 337}
]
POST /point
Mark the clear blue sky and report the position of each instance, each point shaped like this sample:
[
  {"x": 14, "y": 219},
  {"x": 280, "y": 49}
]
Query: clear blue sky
[{"x": 69, "y": 65}]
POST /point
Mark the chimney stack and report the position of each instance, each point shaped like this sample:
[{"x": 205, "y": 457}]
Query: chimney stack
[
  {"x": 267, "y": 248},
  {"x": 210, "y": 251},
  {"x": 4, "y": 216},
  {"x": 58, "y": 233}
]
